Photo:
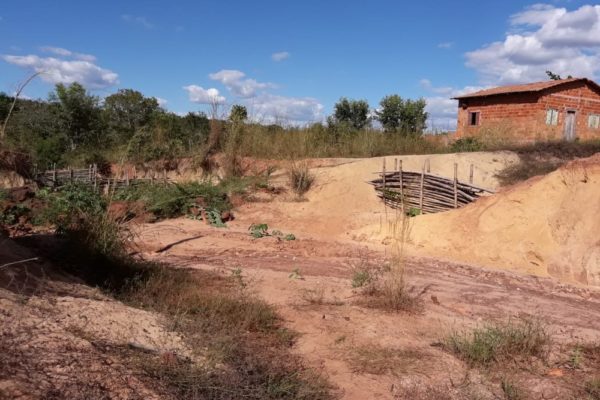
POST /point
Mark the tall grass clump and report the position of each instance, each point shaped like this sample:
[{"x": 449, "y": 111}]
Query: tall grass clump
[
  {"x": 500, "y": 342},
  {"x": 301, "y": 178},
  {"x": 386, "y": 287}
]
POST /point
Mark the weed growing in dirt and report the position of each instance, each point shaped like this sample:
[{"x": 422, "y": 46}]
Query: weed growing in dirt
[
  {"x": 301, "y": 179},
  {"x": 526, "y": 169},
  {"x": 361, "y": 278},
  {"x": 379, "y": 360},
  {"x": 511, "y": 391},
  {"x": 258, "y": 231},
  {"x": 592, "y": 388},
  {"x": 386, "y": 286},
  {"x": 512, "y": 340}
]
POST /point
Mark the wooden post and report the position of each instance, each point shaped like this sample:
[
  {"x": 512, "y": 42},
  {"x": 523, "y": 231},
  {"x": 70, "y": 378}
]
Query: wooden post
[
  {"x": 383, "y": 178},
  {"x": 90, "y": 173},
  {"x": 471, "y": 174},
  {"x": 165, "y": 174},
  {"x": 54, "y": 174},
  {"x": 455, "y": 185},
  {"x": 134, "y": 172},
  {"x": 395, "y": 164},
  {"x": 401, "y": 186},
  {"x": 127, "y": 177},
  {"x": 428, "y": 166},
  {"x": 421, "y": 189},
  {"x": 95, "y": 173},
  {"x": 71, "y": 174}
]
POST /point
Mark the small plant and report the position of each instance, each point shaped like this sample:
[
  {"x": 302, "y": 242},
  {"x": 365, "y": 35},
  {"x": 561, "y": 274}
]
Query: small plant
[
  {"x": 515, "y": 339},
  {"x": 301, "y": 179},
  {"x": 592, "y": 388},
  {"x": 510, "y": 390},
  {"x": 214, "y": 218},
  {"x": 576, "y": 357},
  {"x": 413, "y": 212},
  {"x": 289, "y": 236},
  {"x": 296, "y": 274},
  {"x": 258, "y": 231},
  {"x": 238, "y": 277},
  {"x": 361, "y": 278}
]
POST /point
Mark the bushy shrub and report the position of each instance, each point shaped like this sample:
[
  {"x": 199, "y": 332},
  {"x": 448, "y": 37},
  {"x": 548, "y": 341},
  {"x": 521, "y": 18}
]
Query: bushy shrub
[
  {"x": 173, "y": 200},
  {"x": 466, "y": 144}
]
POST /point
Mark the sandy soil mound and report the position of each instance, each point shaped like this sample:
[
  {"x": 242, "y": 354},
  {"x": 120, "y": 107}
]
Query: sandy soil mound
[
  {"x": 341, "y": 204},
  {"x": 547, "y": 225}
]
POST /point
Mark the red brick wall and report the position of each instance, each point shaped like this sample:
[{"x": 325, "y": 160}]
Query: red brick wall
[{"x": 522, "y": 117}]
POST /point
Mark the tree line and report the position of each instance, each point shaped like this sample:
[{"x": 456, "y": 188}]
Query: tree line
[{"x": 73, "y": 126}]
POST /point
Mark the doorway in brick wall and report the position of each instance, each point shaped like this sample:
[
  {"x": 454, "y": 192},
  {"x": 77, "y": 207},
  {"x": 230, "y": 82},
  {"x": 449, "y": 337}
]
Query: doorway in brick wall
[{"x": 570, "y": 125}]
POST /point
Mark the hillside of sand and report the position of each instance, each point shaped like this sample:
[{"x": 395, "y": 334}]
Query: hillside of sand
[{"x": 547, "y": 226}]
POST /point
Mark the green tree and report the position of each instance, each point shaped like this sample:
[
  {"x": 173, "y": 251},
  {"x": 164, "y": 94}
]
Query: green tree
[
  {"x": 399, "y": 115},
  {"x": 238, "y": 113},
  {"x": 353, "y": 113},
  {"x": 555, "y": 77},
  {"x": 390, "y": 112},
  {"x": 414, "y": 116},
  {"x": 128, "y": 110},
  {"x": 78, "y": 114}
]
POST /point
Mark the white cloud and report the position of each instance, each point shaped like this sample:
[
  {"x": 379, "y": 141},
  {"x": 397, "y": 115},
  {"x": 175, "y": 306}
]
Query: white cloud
[
  {"x": 237, "y": 84},
  {"x": 445, "y": 45},
  {"x": 544, "y": 38},
  {"x": 59, "y": 51},
  {"x": 56, "y": 70},
  {"x": 138, "y": 20},
  {"x": 200, "y": 95},
  {"x": 280, "y": 56},
  {"x": 272, "y": 108},
  {"x": 441, "y": 108},
  {"x": 161, "y": 102}
]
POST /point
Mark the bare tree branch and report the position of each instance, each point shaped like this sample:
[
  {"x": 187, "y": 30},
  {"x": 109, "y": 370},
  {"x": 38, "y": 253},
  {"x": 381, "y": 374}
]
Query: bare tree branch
[{"x": 12, "y": 106}]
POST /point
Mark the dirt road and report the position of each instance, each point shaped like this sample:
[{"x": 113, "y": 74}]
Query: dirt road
[{"x": 309, "y": 280}]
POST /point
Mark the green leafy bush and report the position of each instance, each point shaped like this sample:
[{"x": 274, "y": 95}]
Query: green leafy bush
[
  {"x": 173, "y": 200},
  {"x": 467, "y": 144}
]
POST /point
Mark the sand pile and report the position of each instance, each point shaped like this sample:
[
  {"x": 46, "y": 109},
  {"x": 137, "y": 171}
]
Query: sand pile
[
  {"x": 342, "y": 206},
  {"x": 547, "y": 225}
]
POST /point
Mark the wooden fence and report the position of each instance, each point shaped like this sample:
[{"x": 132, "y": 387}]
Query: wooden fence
[
  {"x": 90, "y": 176},
  {"x": 424, "y": 191}
]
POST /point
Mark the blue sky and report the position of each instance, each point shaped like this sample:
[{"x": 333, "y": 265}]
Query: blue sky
[{"x": 291, "y": 61}]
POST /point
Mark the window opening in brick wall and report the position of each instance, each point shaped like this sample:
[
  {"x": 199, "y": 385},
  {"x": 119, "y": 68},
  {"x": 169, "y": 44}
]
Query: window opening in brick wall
[
  {"x": 594, "y": 121},
  {"x": 474, "y": 118},
  {"x": 551, "y": 116}
]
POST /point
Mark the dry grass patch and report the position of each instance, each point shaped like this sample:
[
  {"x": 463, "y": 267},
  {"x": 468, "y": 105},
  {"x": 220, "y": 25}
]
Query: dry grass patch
[
  {"x": 514, "y": 340},
  {"x": 240, "y": 337},
  {"x": 301, "y": 179},
  {"x": 379, "y": 360}
]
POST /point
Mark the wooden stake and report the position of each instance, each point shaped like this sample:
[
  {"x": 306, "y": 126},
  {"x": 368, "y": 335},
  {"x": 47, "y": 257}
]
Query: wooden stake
[
  {"x": 455, "y": 185},
  {"x": 421, "y": 189},
  {"x": 54, "y": 174},
  {"x": 127, "y": 177},
  {"x": 401, "y": 185},
  {"x": 471, "y": 174},
  {"x": 383, "y": 176},
  {"x": 165, "y": 174},
  {"x": 428, "y": 166},
  {"x": 95, "y": 172},
  {"x": 71, "y": 174},
  {"x": 395, "y": 164}
]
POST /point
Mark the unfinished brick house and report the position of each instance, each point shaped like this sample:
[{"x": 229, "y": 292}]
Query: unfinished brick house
[{"x": 566, "y": 109}]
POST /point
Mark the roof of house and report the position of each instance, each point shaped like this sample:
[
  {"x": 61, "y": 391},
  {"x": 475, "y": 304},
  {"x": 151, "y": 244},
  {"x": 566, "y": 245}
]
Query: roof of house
[{"x": 528, "y": 87}]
